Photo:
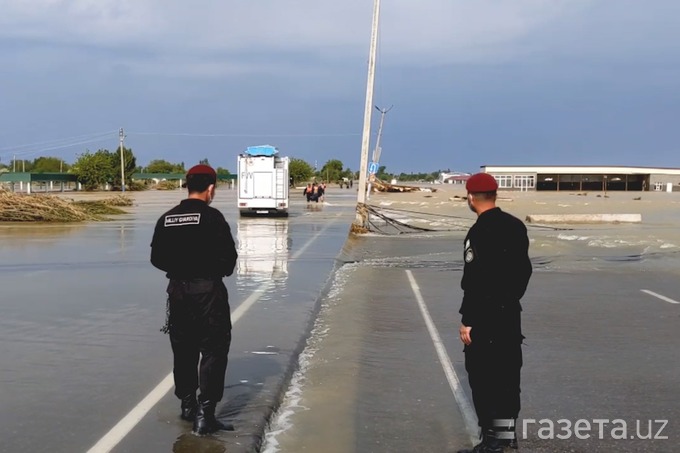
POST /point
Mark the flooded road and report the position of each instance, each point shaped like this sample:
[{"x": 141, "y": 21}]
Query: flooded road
[
  {"x": 81, "y": 351},
  {"x": 82, "y": 306}
]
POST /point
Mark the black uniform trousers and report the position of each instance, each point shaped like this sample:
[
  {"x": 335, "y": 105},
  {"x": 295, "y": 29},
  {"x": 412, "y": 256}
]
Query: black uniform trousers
[
  {"x": 493, "y": 368},
  {"x": 200, "y": 327}
]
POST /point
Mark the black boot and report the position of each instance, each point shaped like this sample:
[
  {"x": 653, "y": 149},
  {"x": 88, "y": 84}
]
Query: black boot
[
  {"x": 489, "y": 444},
  {"x": 512, "y": 444},
  {"x": 189, "y": 407},
  {"x": 205, "y": 421}
]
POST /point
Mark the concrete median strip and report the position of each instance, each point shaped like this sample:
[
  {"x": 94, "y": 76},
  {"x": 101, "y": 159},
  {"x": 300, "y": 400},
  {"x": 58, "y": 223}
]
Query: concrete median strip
[{"x": 584, "y": 218}]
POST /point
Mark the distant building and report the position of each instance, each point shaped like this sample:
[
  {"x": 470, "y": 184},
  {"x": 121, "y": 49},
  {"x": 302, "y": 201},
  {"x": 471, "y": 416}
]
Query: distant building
[
  {"x": 453, "y": 178},
  {"x": 585, "y": 178}
]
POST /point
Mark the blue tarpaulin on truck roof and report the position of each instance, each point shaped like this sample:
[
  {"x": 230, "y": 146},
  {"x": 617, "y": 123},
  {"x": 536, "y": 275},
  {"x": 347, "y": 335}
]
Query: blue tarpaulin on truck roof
[{"x": 261, "y": 150}]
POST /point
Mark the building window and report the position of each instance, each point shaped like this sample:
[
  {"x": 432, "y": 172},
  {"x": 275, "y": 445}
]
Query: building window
[
  {"x": 524, "y": 182},
  {"x": 547, "y": 182},
  {"x": 504, "y": 181},
  {"x": 572, "y": 182}
]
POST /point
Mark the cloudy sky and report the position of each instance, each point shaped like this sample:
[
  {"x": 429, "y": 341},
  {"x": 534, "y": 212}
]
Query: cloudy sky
[{"x": 471, "y": 82}]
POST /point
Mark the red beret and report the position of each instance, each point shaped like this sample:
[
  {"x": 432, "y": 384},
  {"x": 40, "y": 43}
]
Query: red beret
[
  {"x": 481, "y": 182},
  {"x": 202, "y": 170}
]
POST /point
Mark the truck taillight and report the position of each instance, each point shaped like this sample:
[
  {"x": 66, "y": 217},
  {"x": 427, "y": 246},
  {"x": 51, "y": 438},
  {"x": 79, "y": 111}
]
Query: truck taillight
[
  {"x": 243, "y": 204},
  {"x": 282, "y": 205}
]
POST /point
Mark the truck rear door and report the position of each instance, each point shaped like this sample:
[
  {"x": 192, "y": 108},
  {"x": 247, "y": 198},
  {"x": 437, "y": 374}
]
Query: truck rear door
[{"x": 263, "y": 184}]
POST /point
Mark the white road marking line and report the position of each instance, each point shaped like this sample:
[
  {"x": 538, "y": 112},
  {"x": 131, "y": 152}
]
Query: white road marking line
[
  {"x": 659, "y": 296},
  {"x": 127, "y": 423},
  {"x": 454, "y": 383}
]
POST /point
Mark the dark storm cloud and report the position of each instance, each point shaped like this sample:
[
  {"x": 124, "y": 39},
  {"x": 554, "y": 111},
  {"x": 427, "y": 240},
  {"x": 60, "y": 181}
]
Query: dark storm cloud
[{"x": 473, "y": 83}]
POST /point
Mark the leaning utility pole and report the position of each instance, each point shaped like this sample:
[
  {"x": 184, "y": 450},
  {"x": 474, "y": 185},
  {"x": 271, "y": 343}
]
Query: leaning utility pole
[
  {"x": 377, "y": 150},
  {"x": 361, "y": 220},
  {"x": 121, "y": 137}
]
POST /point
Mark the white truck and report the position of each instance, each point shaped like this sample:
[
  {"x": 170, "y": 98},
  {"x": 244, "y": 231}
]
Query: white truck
[{"x": 262, "y": 182}]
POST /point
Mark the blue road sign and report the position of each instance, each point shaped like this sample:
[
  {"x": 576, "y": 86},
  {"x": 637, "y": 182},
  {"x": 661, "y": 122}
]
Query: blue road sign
[{"x": 373, "y": 168}]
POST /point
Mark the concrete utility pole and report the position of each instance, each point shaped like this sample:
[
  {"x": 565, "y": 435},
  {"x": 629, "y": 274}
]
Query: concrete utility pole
[
  {"x": 361, "y": 218},
  {"x": 121, "y": 137},
  {"x": 377, "y": 150}
]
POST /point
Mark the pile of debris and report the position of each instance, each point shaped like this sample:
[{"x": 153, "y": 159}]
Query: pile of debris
[
  {"x": 382, "y": 186},
  {"x": 16, "y": 207}
]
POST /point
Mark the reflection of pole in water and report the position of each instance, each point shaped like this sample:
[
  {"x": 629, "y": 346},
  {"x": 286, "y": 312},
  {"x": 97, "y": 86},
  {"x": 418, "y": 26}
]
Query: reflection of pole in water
[{"x": 262, "y": 248}]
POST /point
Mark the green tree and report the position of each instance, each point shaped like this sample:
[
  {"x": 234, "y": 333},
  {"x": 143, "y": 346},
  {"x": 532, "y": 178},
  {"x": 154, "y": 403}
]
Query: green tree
[
  {"x": 49, "y": 165},
  {"x": 129, "y": 164},
  {"x": 21, "y": 165},
  {"x": 204, "y": 162},
  {"x": 418, "y": 176},
  {"x": 93, "y": 170},
  {"x": 163, "y": 166},
  {"x": 222, "y": 171},
  {"x": 331, "y": 171},
  {"x": 382, "y": 173},
  {"x": 300, "y": 170}
]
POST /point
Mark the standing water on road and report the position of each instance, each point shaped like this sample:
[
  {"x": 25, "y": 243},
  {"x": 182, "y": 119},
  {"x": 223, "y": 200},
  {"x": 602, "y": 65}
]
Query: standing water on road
[{"x": 82, "y": 307}]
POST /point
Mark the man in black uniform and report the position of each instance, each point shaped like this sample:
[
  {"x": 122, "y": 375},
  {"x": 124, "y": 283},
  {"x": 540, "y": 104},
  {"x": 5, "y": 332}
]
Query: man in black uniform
[
  {"x": 193, "y": 244},
  {"x": 495, "y": 276}
]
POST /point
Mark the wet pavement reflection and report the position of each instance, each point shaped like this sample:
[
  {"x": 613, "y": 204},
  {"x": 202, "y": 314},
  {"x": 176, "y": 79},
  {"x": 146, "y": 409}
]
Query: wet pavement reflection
[{"x": 263, "y": 247}]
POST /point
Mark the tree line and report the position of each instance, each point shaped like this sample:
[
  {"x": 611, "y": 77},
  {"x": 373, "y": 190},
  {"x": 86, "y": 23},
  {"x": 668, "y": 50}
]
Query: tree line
[
  {"x": 332, "y": 171},
  {"x": 97, "y": 169}
]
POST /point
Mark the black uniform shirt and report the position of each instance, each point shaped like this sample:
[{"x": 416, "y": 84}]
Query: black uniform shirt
[
  {"x": 496, "y": 273},
  {"x": 193, "y": 240}
]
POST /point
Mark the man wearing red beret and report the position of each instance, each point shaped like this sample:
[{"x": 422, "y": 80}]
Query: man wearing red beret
[
  {"x": 495, "y": 276},
  {"x": 193, "y": 244}
]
